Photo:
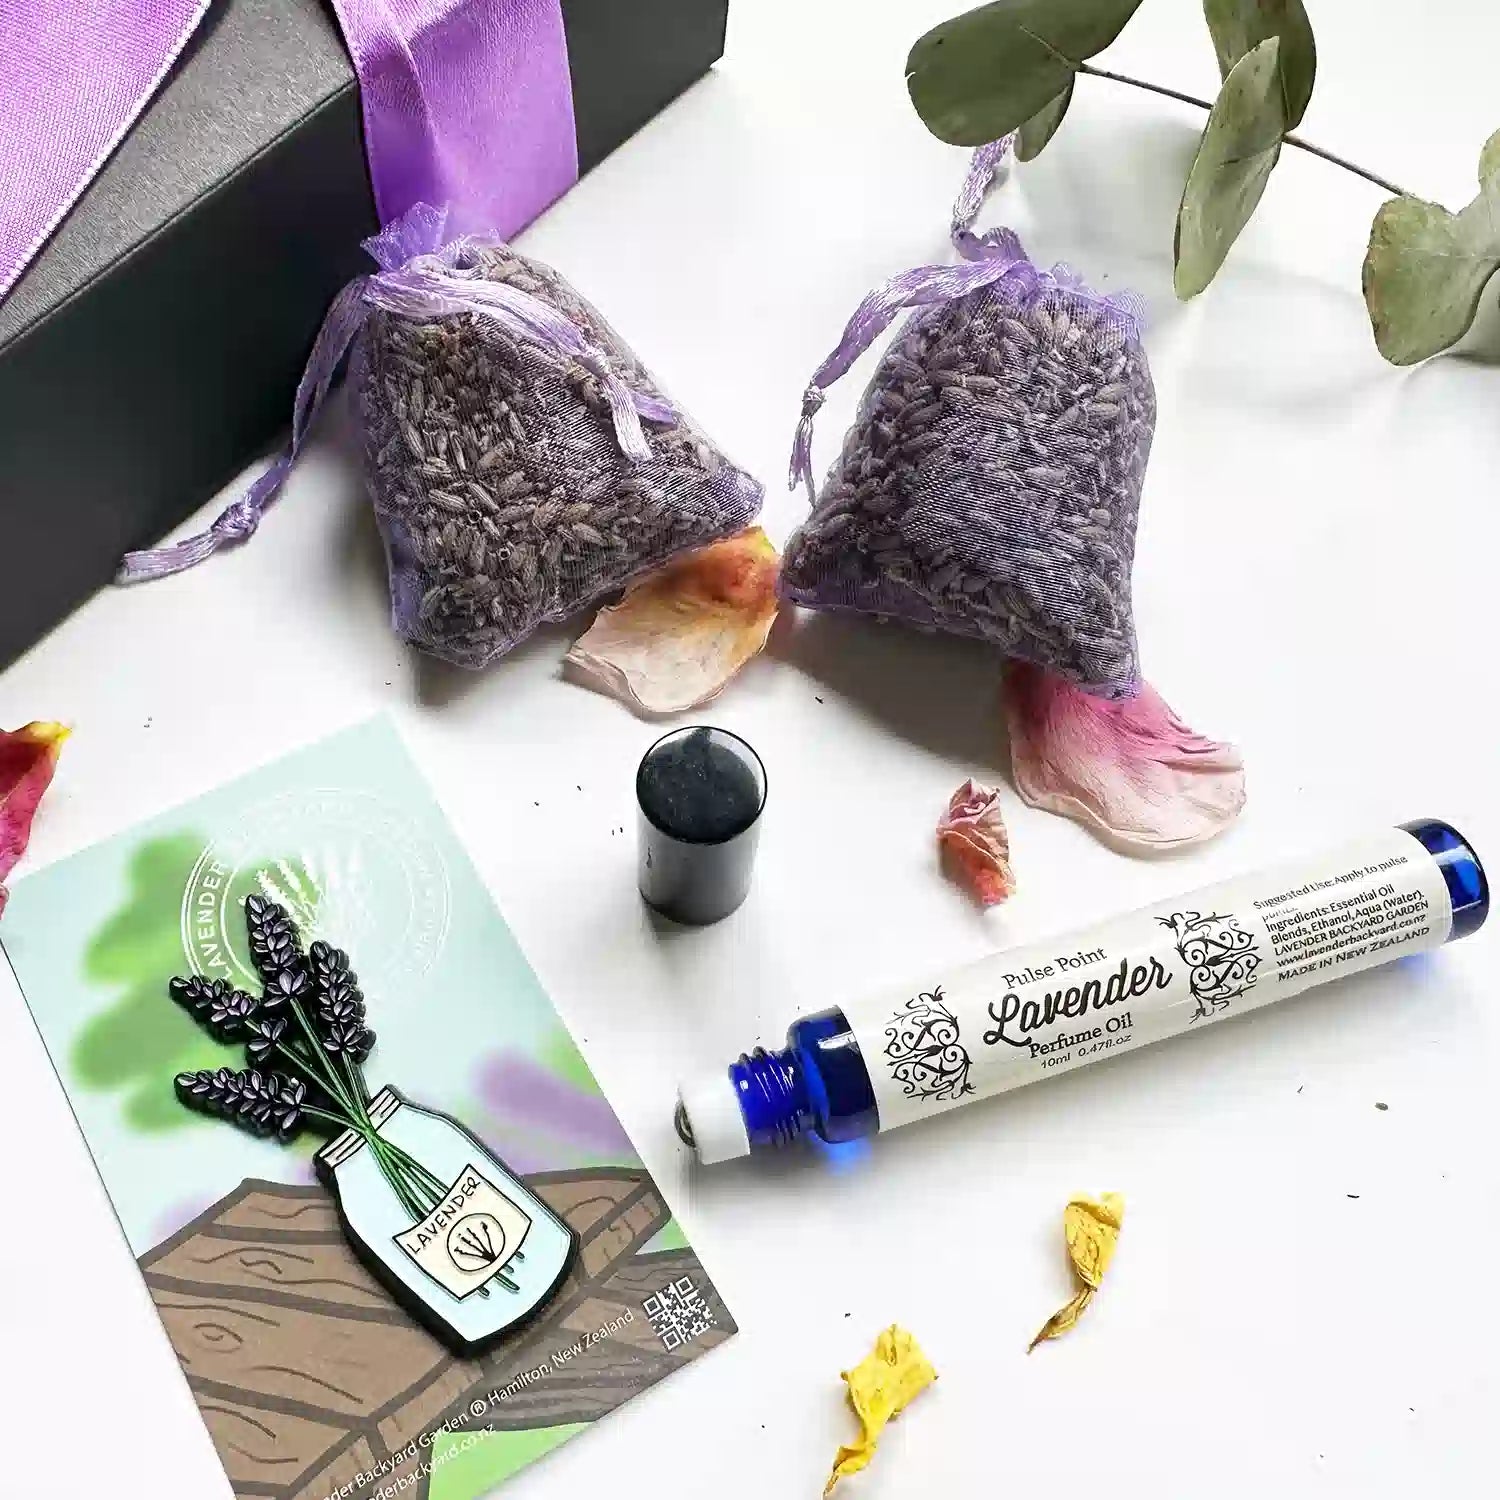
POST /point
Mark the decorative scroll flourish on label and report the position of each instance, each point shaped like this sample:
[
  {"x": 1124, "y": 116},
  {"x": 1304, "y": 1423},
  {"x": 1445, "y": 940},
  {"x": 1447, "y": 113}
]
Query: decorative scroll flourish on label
[
  {"x": 1221, "y": 956},
  {"x": 924, "y": 1052}
]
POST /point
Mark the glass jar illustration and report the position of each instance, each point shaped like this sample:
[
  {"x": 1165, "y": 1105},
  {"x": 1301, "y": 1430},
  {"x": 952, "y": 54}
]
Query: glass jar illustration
[{"x": 455, "y": 1238}]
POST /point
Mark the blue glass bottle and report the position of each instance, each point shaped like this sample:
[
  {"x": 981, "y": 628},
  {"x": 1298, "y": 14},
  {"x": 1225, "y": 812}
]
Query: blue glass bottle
[
  {"x": 819, "y": 1084},
  {"x": 1468, "y": 887}
]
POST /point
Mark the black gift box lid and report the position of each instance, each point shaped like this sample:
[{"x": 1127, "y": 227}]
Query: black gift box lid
[{"x": 152, "y": 349}]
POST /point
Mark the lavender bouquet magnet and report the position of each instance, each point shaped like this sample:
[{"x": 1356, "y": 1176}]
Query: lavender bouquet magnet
[{"x": 441, "y": 1222}]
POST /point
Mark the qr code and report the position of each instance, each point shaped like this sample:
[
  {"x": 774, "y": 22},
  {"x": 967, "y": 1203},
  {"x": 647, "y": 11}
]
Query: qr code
[{"x": 678, "y": 1313}]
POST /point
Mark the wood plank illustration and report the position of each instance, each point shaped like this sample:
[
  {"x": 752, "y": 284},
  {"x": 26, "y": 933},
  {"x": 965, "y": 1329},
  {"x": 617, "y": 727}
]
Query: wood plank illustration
[{"x": 308, "y": 1375}]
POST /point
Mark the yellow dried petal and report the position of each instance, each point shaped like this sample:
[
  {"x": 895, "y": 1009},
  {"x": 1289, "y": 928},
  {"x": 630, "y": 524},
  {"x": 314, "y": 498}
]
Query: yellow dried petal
[
  {"x": 1091, "y": 1227},
  {"x": 880, "y": 1386},
  {"x": 680, "y": 635}
]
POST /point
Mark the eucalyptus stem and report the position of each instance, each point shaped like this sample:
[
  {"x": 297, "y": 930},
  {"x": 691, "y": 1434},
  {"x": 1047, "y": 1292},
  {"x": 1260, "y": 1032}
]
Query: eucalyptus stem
[{"x": 1290, "y": 137}]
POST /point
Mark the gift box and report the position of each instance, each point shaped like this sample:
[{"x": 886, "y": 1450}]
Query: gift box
[{"x": 152, "y": 348}]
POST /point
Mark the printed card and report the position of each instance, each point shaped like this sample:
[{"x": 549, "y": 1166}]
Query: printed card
[{"x": 397, "y": 1237}]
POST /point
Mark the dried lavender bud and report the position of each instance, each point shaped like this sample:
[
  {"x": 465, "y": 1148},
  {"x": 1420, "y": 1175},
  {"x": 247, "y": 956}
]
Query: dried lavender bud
[
  {"x": 215, "y": 1004},
  {"x": 275, "y": 943},
  {"x": 266, "y": 1032}
]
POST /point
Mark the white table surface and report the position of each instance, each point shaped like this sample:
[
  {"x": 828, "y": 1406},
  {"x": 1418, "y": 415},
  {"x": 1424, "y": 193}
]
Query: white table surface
[{"x": 1302, "y": 1302}]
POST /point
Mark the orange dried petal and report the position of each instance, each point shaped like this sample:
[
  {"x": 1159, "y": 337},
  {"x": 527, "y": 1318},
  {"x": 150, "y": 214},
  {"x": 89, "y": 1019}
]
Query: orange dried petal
[
  {"x": 678, "y": 637},
  {"x": 975, "y": 844}
]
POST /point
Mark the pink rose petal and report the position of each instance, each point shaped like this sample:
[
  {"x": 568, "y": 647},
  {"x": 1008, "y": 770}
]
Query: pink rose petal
[
  {"x": 975, "y": 844},
  {"x": 27, "y": 759},
  {"x": 1130, "y": 769}
]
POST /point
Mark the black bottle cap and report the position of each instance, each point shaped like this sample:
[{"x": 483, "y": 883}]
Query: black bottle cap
[{"x": 701, "y": 792}]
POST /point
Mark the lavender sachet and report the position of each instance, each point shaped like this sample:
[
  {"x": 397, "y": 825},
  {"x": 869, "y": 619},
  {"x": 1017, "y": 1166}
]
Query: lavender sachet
[
  {"x": 522, "y": 462},
  {"x": 990, "y": 484}
]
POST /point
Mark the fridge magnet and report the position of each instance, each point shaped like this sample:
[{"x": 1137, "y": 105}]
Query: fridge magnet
[
  {"x": 445, "y": 1226},
  {"x": 406, "y": 1265}
]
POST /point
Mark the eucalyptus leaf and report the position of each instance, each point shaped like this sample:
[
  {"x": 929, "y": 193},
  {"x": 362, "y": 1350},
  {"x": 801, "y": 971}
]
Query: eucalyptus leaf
[
  {"x": 1489, "y": 160},
  {"x": 1240, "y": 26},
  {"x": 1240, "y": 146},
  {"x": 983, "y": 74},
  {"x": 1426, "y": 268},
  {"x": 1033, "y": 136}
]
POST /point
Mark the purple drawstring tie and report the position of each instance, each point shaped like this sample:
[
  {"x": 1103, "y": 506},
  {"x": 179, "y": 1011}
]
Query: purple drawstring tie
[
  {"x": 987, "y": 163},
  {"x": 919, "y": 287},
  {"x": 993, "y": 257},
  {"x": 420, "y": 277},
  {"x": 988, "y": 258}
]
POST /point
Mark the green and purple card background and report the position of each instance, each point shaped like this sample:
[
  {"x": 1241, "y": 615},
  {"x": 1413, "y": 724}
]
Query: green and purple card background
[{"x": 348, "y": 837}]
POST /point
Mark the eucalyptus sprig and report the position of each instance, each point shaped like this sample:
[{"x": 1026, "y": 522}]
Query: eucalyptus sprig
[{"x": 1011, "y": 66}]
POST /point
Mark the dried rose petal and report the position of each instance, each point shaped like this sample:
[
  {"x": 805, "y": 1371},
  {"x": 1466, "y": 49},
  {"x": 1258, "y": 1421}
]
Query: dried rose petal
[
  {"x": 975, "y": 844},
  {"x": 27, "y": 759},
  {"x": 678, "y": 637},
  {"x": 1128, "y": 768}
]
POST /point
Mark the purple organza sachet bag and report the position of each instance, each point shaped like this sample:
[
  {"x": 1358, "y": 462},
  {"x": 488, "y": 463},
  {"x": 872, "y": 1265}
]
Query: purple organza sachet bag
[
  {"x": 522, "y": 462},
  {"x": 991, "y": 481}
]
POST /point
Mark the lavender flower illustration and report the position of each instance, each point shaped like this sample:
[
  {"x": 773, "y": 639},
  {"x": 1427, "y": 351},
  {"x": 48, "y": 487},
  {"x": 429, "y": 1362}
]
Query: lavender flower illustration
[{"x": 306, "y": 1039}]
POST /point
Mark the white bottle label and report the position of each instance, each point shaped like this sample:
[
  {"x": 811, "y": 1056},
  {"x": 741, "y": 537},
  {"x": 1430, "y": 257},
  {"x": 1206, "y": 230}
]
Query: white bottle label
[{"x": 1032, "y": 1011}]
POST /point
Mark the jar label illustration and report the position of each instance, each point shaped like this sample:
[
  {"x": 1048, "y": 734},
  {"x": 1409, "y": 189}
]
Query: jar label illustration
[{"x": 472, "y": 1234}]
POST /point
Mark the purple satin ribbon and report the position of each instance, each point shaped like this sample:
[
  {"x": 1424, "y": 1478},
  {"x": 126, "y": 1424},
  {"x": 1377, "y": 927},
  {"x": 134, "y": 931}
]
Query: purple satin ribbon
[
  {"x": 467, "y": 102},
  {"x": 73, "y": 79},
  {"x": 420, "y": 277}
]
